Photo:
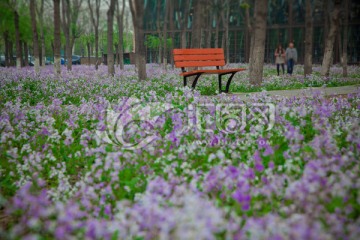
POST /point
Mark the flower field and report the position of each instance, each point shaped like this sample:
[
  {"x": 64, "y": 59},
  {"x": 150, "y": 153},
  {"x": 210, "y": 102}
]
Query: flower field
[{"x": 191, "y": 164}]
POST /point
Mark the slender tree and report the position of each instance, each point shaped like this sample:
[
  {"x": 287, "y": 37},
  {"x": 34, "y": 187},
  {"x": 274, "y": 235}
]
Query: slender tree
[
  {"x": 218, "y": 21},
  {"x": 120, "y": 23},
  {"x": 11, "y": 54},
  {"x": 249, "y": 31},
  {"x": 184, "y": 23},
  {"x": 172, "y": 28},
  {"x": 225, "y": 13},
  {"x": 7, "y": 28},
  {"x": 17, "y": 39},
  {"x": 137, "y": 12},
  {"x": 35, "y": 35},
  {"x": 110, "y": 23},
  {"x": 7, "y": 49},
  {"x": 95, "y": 16},
  {"x": 75, "y": 27},
  {"x": 344, "y": 56},
  {"x": 165, "y": 27},
  {"x": 329, "y": 45},
  {"x": 209, "y": 18},
  {"x": 197, "y": 23},
  {"x": 26, "y": 54},
  {"x": 326, "y": 19},
  {"x": 70, "y": 13},
  {"x": 39, "y": 14},
  {"x": 65, "y": 23},
  {"x": 308, "y": 38},
  {"x": 158, "y": 28},
  {"x": 57, "y": 42},
  {"x": 258, "y": 48}
]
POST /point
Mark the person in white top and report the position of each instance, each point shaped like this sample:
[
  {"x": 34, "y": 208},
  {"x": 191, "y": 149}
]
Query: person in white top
[{"x": 280, "y": 59}]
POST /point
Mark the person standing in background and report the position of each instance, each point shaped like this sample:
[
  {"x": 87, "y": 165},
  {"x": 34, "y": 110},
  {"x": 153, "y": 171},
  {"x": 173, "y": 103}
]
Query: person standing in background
[
  {"x": 291, "y": 57},
  {"x": 280, "y": 59}
]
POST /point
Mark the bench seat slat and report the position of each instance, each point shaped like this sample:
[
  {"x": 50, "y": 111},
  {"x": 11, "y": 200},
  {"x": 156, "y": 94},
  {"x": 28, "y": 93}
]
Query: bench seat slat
[
  {"x": 190, "y": 73},
  {"x": 200, "y": 63},
  {"x": 222, "y": 71},
  {"x": 209, "y": 71},
  {"x": 198, "y": 51},
  {"x": 198, "y": 57}
]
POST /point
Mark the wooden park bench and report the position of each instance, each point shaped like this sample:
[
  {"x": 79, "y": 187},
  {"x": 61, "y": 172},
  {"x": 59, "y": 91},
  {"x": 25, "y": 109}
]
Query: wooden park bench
[{"x": 205, "y": 57}]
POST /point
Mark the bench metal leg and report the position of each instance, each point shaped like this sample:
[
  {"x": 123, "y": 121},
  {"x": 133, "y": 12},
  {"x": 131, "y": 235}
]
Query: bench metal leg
[
  {"x": 227, "y": 84},
  {"x": 220, "y": 87},
  {"x": 195, "y": 80}
]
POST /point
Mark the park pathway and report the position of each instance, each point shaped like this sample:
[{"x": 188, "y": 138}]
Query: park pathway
[{"x": 327, "y": 91}]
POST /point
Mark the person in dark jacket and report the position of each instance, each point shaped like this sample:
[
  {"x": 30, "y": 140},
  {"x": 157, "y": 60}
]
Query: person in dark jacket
[{"x": 291, "y": 57}]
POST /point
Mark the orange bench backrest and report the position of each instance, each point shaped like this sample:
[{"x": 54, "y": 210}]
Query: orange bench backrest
[{"x": 199, "y": 57}]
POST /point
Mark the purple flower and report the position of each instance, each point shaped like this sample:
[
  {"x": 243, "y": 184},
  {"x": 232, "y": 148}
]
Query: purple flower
[
  {"x": 60, "y": 232},
  {"x": 257, "y": 157},
  {"x": 259, "y": 167},
  {"x": 250, "y": 174},
  {"x": 268, "y": 151},
  {"x": 44, "y": 131},
  {"x": 233, "y": 172},
  {"x": 243, "y": 199}
]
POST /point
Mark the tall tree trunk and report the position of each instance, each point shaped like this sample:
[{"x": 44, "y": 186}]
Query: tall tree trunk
[
  {"x": 11, "y": 53},
  {"x": 197, "y": 23},
  {"x": 258, "y": 49},
  {"x": 116, "y": 54},
  {"x": 184, "y": 24},
  {"x": 40, "y": 55},
  {"x": 89, "y": 52},
  {"x": 22, "y": 53},
  {"x": 42, "y": 50},
  {"x": 95, "y": 23},
  {"x": 121, "y": 40},
  {"x": 159, "y": 32},
  {"x": 165, "y": 55},
  {"x": 208, "y": 38},
  {"x": 97, "y": 49},
  {"x": 209, "y": 18},
  {"x": 17, "y": 40},
  {"x": 329, "y": 46},
  {"x": 308, "y": 39},
  {"x": 217, "y": 30},
  {"x": 120, "y": 22},
  {"x": 137, "y": 10},
  {"x": 66, "y": 10},
  {"x": 57, "y": 42},
  {"x": 26, "y": 54},
  {"x": 35, "y": 36},
  {"x": 172, "y": 28},
  {"x": 7, "y": 50},
  {"x": 248, "y": 33},
  {"x": 226, "y": 40},
  {"x": 344, "y": 56},
  {"x": 110, "y": 52},
  {"x": 223, "y": 40},
  {"x": 326, "y": 20},
  {"x": 68, "y": 53},
  {"x": 338, "y": 41}
]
